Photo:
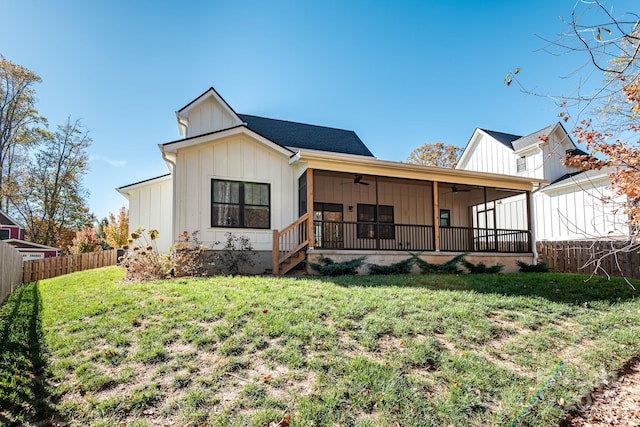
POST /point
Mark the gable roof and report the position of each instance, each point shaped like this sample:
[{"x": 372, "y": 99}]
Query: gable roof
[
  {"x": 23, "y": 244},
  {"x": 5, "y": 219},
  {"x": 505, "y": 139},
  {"x": 305, "y": 136}
]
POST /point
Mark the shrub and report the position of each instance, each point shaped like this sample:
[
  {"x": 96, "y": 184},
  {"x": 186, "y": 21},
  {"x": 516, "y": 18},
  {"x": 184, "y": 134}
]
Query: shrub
[
  {"x": 481, "y": 268},
  {"x": 332, "y": 268},
  {"x": 141, "y": 260},
  {"x": 186, "y": 256},
  {"x": 449, "y": 267},
  {"x": 402, "y": 267},
  {"x": 540, "y": 267},
  {"x": 236, "y": 253}
]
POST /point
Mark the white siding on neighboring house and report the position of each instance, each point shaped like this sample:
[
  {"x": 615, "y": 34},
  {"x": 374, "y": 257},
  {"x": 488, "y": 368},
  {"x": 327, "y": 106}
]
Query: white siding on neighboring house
[
  {"x": 236, "y": 158},
  {"x": 489, "y": 155},
  {"x": 575, "y": 212},
  {"x": 150, "y": 207}
]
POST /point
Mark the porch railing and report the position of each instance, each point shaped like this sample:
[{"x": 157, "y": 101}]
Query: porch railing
[
  {"x": 468, "y": 239},
  {"x": 405, "y": 237},
  {"x": 372, "y": 236}
]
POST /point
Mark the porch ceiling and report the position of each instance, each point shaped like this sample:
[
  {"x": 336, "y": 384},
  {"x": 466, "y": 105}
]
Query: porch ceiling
[{"x": 375, "y": 167}]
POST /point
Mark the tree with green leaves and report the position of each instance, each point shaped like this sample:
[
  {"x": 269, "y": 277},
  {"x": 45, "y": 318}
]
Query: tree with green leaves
[
  {"x": 19, "y": 124},
  {"x": 437, "y": 154}
]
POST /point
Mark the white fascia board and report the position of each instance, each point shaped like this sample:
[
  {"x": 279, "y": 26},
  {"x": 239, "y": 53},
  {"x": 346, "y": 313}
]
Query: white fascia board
[
  {"x": 471, "y": 144},
  {"x": 572, "y": 182},
  {"x": 126, "y": 189},
  {"x": 173, "y": 147}
]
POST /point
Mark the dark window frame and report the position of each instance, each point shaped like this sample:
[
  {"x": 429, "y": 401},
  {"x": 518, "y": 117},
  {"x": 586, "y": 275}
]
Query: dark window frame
[
  {"x": 367, "y": 227},
  {"x": 442, "y": 218},
  {"x": 242, "y": 205},
  {"x": 5, "y": 232}
]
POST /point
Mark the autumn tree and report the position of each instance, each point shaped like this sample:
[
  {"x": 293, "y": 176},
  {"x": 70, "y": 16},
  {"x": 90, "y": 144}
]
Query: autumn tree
[
  {"x": 19, "y": 121},
  {"x": 605, "y": 119},
  {"x": 86, "y": 240},
  {"x": 437, "y": 154},
  {"x": 116, "y": 231},
  {"x": 53, "y": 198}
]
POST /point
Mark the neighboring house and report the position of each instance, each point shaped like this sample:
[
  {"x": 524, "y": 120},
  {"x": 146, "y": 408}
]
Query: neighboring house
[
  {"x": 570, "y": 205},
  {"x": 12, "y": 234},
  {"x": 301, "y": 191}
]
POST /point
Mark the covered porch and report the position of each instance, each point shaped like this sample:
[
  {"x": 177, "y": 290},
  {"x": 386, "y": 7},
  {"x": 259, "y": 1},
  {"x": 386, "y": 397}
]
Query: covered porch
[{"x": 387, "y": 207}]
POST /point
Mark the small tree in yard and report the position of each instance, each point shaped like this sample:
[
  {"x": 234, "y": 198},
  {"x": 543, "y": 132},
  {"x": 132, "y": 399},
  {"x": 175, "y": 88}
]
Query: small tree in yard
[
  {"x": 86, "y": 240},
  {"x": 116, "y": 229}
]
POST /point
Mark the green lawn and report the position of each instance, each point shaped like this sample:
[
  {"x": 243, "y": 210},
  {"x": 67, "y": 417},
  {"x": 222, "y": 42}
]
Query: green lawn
[{"x": 412, "y": 350}]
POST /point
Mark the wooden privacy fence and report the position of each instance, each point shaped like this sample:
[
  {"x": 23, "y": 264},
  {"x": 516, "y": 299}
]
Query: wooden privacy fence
[
  {"x": 589, "y": 256},
  {"x": 10, "y": 270},
  {"x": 39, "y": 269}
]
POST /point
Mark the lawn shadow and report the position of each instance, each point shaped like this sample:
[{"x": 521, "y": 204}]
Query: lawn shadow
[
  {"x": 24, "y": 392},
  {"x": 565, "y": 288}
]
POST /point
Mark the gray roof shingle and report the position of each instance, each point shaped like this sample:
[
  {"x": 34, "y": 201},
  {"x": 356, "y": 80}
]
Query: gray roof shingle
[
  {"x": 305, "y": 136},
  {"x": 505, "y": 139}
]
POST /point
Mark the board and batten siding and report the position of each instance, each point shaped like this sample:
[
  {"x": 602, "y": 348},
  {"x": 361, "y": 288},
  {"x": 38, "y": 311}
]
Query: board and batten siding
[
  {"x": 412, "y": 202},
  {"x": 235, "y": 158},
  {"x": 208, "y": 117},
  {"x": 150, "y": 207},
  {"x": 578, "y": 213},
  {"x": 489, "y": 155}
]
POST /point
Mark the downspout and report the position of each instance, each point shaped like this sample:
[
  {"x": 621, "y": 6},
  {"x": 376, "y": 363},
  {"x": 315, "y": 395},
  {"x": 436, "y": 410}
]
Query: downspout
[
  {"x": 532, "y": 222},
  {"x": 172, "y": 168}
]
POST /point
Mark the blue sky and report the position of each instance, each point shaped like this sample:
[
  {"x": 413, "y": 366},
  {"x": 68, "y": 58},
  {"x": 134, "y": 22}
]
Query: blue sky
[{"x": 400, "y": 74}]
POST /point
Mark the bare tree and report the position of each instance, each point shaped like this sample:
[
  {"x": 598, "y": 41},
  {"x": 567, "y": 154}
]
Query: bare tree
[{"x": 604, "y": 112}]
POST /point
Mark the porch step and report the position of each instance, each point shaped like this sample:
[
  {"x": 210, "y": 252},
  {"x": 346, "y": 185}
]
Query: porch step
[{"x": 292, "y": 262}]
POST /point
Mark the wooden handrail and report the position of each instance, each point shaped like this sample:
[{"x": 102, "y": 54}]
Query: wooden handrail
[
  {"x": 279, "y": 247},
  {"x": 297, "y": 222}
]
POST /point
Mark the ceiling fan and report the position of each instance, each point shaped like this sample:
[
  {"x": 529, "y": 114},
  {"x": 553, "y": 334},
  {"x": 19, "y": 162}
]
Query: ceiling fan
[
  {"x": 455, "y": 189},
  {"x": 358, "y": 180}
]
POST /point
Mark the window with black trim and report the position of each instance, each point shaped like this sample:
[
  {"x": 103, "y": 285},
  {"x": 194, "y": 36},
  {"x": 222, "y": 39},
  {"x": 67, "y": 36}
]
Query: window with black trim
[
  {"x": 4, "y": 234},
  {"x": 521, "y": 164},
  {"x": 240, "y": 204},
  {"x": 445, "y": 218},
  {"x": 367, "y": 219}
]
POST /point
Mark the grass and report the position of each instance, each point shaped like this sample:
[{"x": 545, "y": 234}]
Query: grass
[{"x": 416, "y": 350}]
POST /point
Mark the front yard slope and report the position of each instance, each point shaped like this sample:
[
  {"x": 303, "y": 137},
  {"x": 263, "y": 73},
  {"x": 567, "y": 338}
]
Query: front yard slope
[{"x": 413, "y": 350}]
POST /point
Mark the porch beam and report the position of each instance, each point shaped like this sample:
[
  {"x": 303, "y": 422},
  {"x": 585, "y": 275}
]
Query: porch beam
[
  {"x": 436, "y": 216},
  {"x": 310, "y": 207}
]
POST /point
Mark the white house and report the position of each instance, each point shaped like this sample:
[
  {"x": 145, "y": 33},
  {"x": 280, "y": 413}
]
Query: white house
[
  {"x": 302, "y": 191},
  {"x": 570, "y": 206}
]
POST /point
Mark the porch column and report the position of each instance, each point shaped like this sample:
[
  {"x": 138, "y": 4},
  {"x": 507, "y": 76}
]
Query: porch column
[
  {"x": 436, "y": 216},
  {"x": 310, "y": 207},
  {"x": 531, "y": 226}
]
